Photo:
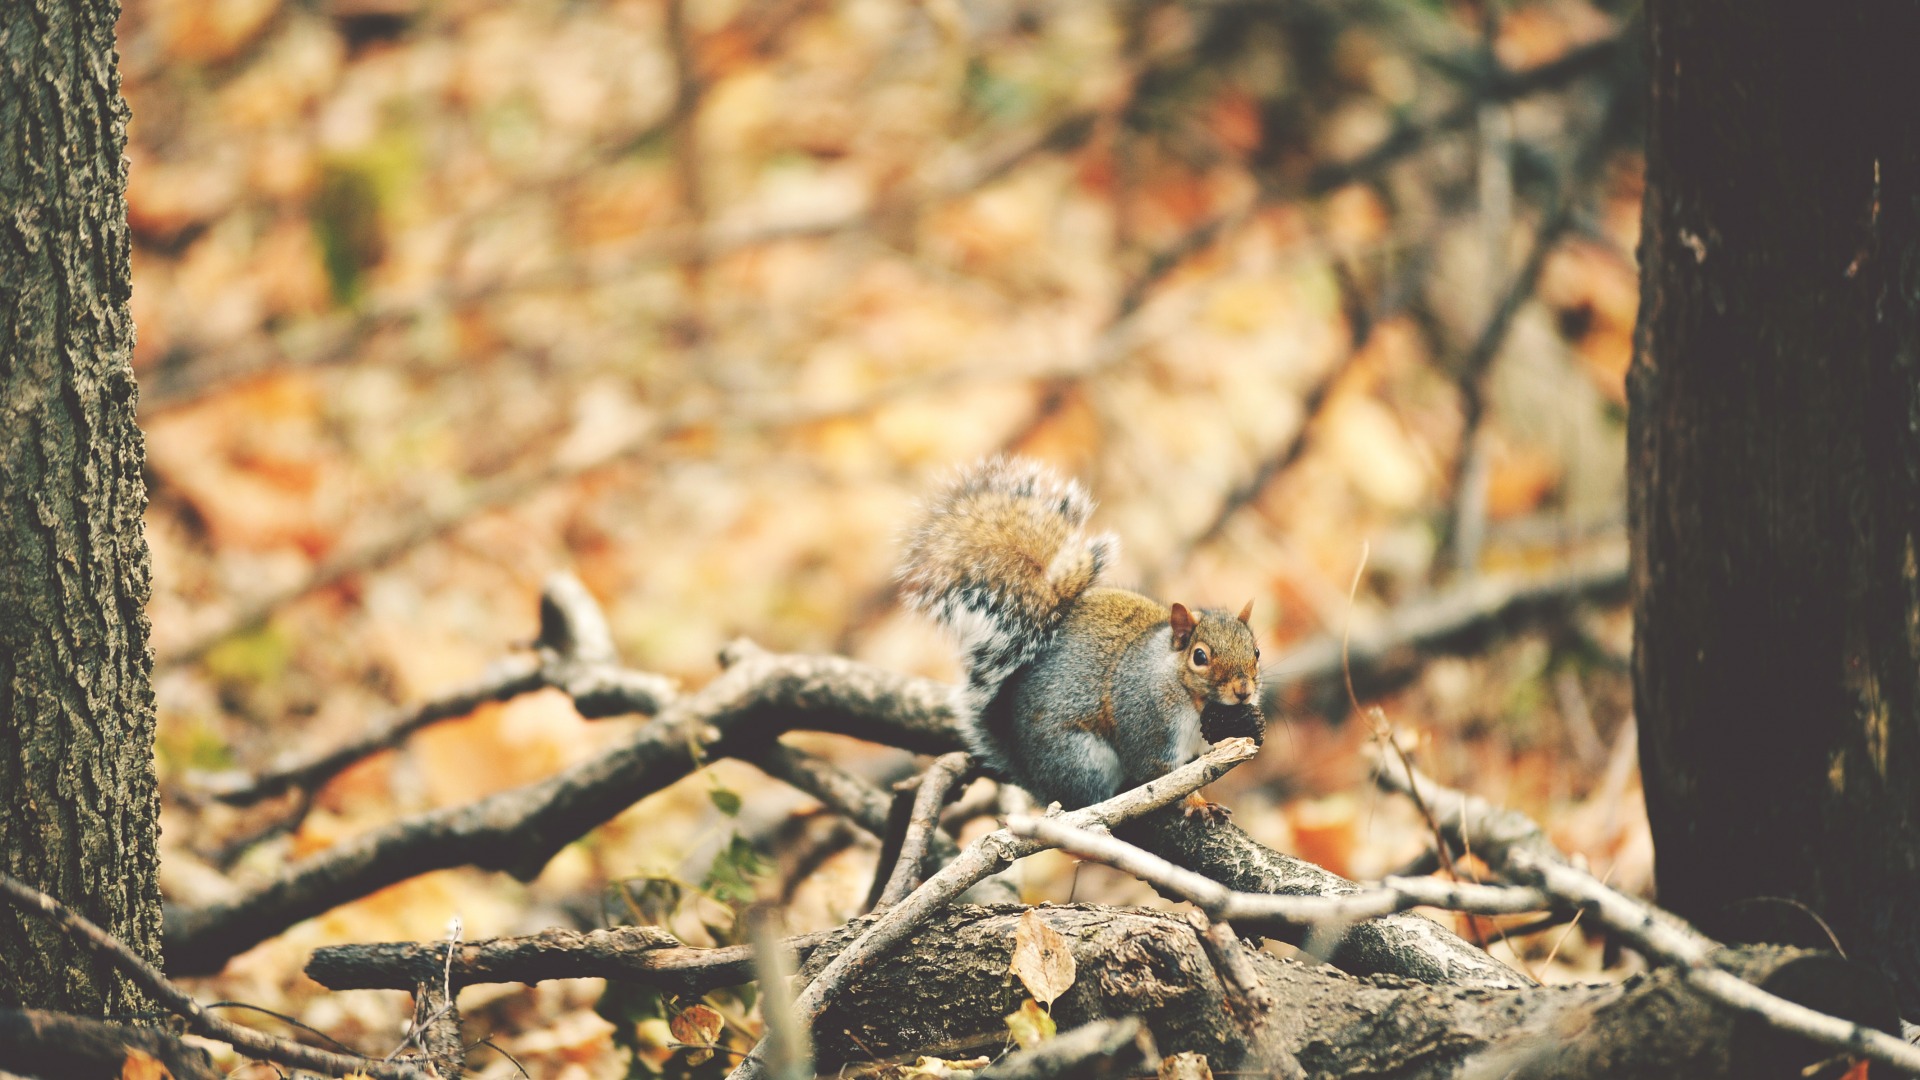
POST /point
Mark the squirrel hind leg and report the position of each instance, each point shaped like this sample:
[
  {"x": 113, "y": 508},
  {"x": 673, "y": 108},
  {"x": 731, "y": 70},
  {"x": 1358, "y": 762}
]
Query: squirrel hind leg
[{"x": 1071, "y": 767}]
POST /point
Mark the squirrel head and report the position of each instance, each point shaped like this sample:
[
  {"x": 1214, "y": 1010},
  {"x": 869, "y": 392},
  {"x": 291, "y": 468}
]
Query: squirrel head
[{"x": 1220, "y": 661}]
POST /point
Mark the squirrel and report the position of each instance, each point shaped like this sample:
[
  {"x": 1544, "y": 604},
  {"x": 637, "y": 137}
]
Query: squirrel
[{"x": 1074, "y": 690}]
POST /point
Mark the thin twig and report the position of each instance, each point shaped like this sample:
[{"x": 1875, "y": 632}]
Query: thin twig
[
  {"x": 940, "y": 777},
  {"x": 1461, "y": 538},
  {"x": 199, "y": 1020},
  {"x": 1497, "y": 86},
  {"x": 510, "y": 679},
  {"x": 841, "y": 791},
  {"x": 1223, "y": 904},
  {"x": 574, "y": 653}
]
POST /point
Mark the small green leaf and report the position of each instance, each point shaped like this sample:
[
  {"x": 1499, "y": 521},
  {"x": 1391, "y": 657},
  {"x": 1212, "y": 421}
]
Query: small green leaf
[
  {"x": 727, "y": 802},
  {"x": 735, "y": 867}
]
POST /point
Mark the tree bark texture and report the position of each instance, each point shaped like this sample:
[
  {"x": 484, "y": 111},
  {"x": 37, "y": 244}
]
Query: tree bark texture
[
  {"x": 1774, "y": 441},
  {"x": 78, "y": 805}
]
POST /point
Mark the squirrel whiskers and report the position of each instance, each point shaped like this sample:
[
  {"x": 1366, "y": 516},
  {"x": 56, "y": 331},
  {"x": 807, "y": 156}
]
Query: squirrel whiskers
[{"x": 1073, "y": 689}]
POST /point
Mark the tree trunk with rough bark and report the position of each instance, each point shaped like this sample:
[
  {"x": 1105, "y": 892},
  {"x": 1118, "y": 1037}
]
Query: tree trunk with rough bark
[
  {"x": 1774, "y": 441},
  {"x": 78, "y": 804}
]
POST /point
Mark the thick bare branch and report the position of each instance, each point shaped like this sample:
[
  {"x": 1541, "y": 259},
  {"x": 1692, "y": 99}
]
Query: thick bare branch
[
  {"x": 759, "y": 696},
  {"x": 639, "y": 954}
]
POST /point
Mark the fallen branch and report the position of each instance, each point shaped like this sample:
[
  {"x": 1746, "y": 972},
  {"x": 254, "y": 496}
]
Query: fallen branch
[
  {"x": 179, "y": 1002},
  {"x": 517, "y": 831},
  {"x": 951, "y": 990},
  {"x": 510, "y": 679},
  {"x": 1405, "y": 945},
  {"x": 645, "y": 955},
  {"x": 984, "y": 857},
  {"x": 841, "y": 791},
  {"x": 1514, "y": 846},
  {"x": 39, "y": 1043}
]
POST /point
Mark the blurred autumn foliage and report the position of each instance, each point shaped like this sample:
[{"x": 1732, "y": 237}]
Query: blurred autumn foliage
[{"x": 693, "y": 299}]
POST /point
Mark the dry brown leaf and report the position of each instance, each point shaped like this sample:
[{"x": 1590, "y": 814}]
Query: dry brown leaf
[
  {"x": 141, "y": 1065},
  {"x": 1030, "y": 1026},
  {"x": 1188, "y": 1066},
  {"x": 697, "y": 1026},
  {"x": 1042, "y": 959}
]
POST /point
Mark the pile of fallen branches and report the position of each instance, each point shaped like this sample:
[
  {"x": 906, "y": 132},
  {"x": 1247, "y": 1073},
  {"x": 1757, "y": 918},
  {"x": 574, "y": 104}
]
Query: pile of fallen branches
[{"x": 1380, "y": 988}]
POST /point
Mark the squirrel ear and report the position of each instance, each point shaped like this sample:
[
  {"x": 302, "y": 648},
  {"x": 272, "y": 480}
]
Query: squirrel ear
[
  {"x": 1246, "y": 613},
  {"x": 1182, "y": 621}
]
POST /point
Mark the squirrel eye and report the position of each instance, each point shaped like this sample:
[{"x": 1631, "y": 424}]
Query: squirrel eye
[
  {"x": 1256, "y": 654},
  {"x": 1200, "y": 657}
]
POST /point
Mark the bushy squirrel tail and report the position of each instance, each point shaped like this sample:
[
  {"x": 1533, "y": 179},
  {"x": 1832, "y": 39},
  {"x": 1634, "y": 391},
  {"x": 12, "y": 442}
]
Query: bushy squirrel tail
[{"x": 996, "y": 558}]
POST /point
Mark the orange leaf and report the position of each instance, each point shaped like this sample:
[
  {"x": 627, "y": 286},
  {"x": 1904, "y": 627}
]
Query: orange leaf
[
  {"x": 697, "y": 1026},
  {"x": 141, "y": 1065}
]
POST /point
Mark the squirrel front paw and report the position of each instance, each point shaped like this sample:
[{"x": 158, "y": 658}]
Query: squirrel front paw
[{"x": 1197, "y": 806}]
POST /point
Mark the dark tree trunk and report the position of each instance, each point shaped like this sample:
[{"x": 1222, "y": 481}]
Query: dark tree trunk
[
  {"x": 1775, "y": 456},
  {"x": 78, "y": 807}
]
